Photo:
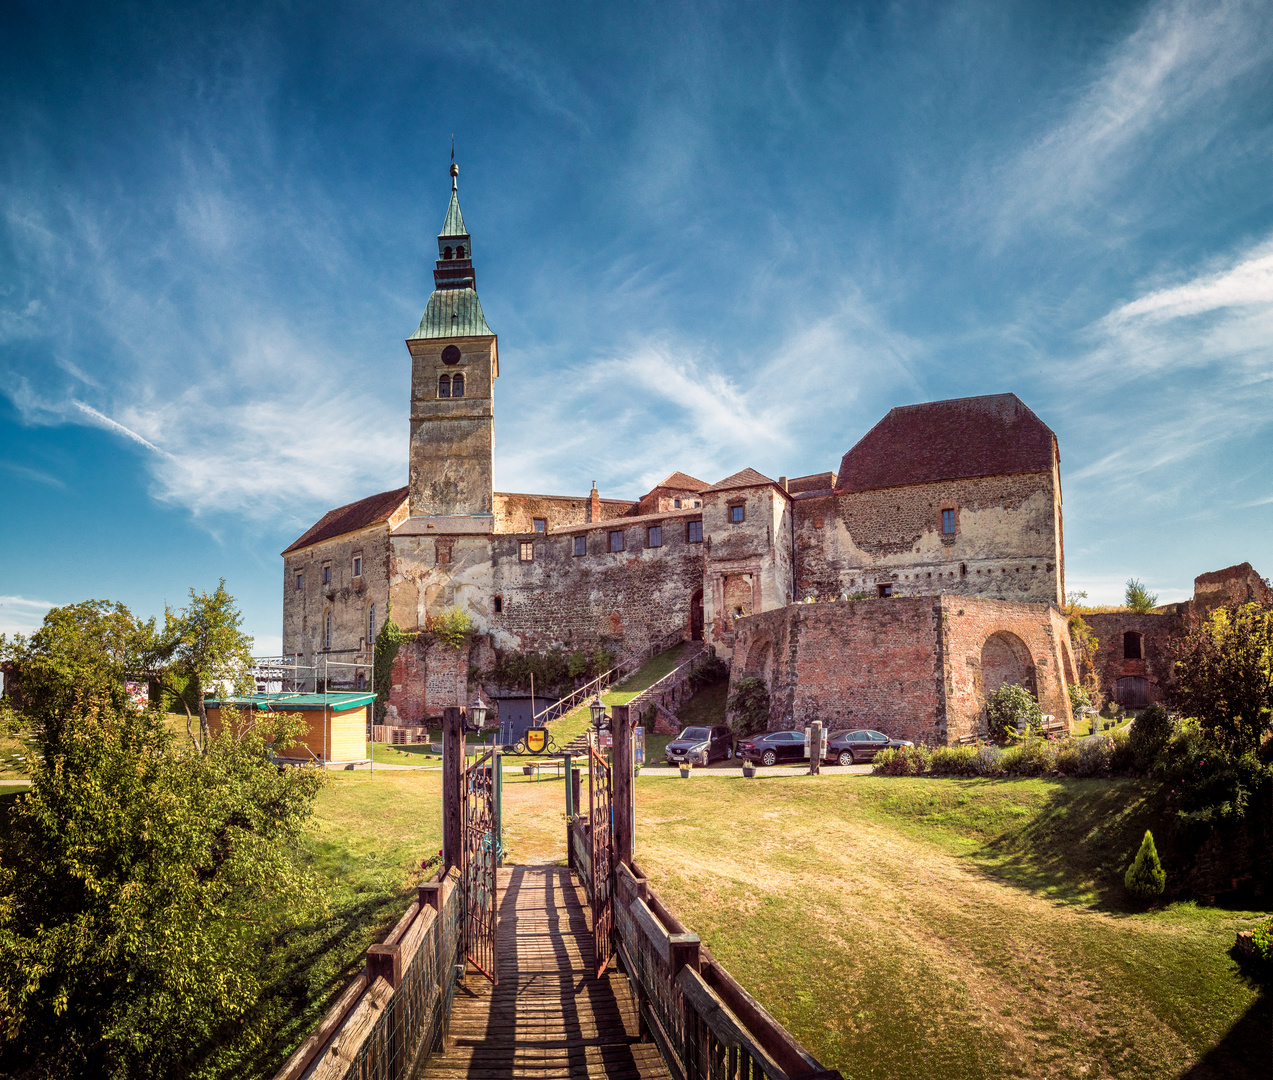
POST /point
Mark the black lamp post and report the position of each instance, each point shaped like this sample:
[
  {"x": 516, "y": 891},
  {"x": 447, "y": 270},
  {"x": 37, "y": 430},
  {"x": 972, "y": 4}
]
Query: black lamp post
[
  {"x": 476, "y": 718},
  {"x": 599, "y": 717}
]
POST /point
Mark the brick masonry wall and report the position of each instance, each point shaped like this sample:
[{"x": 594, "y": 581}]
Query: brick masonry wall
[
  {"x": 1005, "y": 545},
  {"x": 909, "y": 666},
  {"x": 427, "y": 677},
  {"x": 623, "y": 599},
  {"x": 1159, "y": 635}
]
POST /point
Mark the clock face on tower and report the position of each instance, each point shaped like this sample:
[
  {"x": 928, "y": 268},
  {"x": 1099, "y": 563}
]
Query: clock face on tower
[{"x": 451, "y": 355}]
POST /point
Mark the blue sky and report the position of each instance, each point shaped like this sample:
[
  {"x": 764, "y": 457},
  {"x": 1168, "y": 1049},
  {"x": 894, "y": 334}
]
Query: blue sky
[{"x": 708, "y": 236}]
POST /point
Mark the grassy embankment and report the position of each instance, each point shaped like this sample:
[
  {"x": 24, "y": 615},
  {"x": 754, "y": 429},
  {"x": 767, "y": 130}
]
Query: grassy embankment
[{"x": 899, "y": 927}]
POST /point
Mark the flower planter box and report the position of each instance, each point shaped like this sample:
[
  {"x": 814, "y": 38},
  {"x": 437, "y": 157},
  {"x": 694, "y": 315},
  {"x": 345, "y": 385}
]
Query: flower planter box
[
  {"x": 687, "y": 771},
  {"x": 749, "y": 769}
]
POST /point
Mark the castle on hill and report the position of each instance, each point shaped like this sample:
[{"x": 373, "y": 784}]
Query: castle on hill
[{"x": 900, "y": 589}]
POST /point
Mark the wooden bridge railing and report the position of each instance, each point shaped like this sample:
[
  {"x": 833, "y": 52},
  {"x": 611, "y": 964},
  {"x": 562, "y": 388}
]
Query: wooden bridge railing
[
  {"x": 396, "y": 1012},
  {"x": 707, "y": 1027}
]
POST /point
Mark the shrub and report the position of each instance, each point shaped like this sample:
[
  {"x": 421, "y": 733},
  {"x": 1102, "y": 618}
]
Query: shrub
[
  {"x": 748, "y": 707},
  {"x": 577, "y": 665},
  {"x": 953, "y": 761},
  {"x": 986, "y": 761},
  {"x": 1121, "y": 758},
  {"x": 1146, "y": 878},
  {"x": 1030, "y": 757},
  {"x": 1066, "y": 755},
  {"x": 451, "y": 627},
  {"x": 1148, "y": 736},
  {"x": 1094, "y": 755},
  {"x": 1012, "y": 705},
  {"x": 388, "y": 641},
  {"x": 1079, "y": 698},
  {"x": 903, "y": 761},
  {"x": 1262, "y": 940}
]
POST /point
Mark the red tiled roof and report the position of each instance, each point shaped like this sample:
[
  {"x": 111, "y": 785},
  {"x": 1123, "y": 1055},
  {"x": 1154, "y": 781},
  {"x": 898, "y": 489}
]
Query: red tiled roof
[
  {"x": 746, "y": 478},
  {"x": 995, "y": 435},
  {"x": 680, "y": 481},
  {"x": 356, "y": 515}
]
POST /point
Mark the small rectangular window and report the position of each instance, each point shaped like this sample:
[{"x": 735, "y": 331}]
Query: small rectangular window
[
  {"x": 442, "y": 551},
  {"x": 526, "y": 551},
  {"x": 948, "y": 522},
  {"x": 676, "y": 504},
  {"x": 737, "y": 514},
  {"x": 541, "y": 524},
  {"x": 581, "y": 545},
  {"x": 885, "y": 590},
  {"x": 499, "y": 605},
  {"x": 327, "y": 575},
  {"x": 300, "y": 582},
  {"x": 694, "y": 532},
  {"x": 654, "y": 536},
  {"x": 616, "y": 540},
  {"x": 357, "y": 566}
]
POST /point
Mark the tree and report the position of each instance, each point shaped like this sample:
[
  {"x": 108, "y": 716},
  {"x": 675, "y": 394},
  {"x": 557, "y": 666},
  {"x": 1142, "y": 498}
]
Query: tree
[
  {"x": 388, "y": 641},
  {"x": 748, "y": 707},
  {"x": 141, "y": 884},
  {"x": 1012, "y": 706},
  {"x": 1224, "y": 676},
  {"x": 1146, "y": 878},
  {"x": 1138, "y": 598}
]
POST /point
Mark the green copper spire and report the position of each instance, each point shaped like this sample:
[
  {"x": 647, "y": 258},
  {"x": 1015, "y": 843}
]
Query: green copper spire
[{"x": 453, "y": 309}]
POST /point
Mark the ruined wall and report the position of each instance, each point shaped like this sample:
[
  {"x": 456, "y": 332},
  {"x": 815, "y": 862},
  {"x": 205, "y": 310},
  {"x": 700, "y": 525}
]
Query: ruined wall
[
  {"x": 427, "y": 677},
  {"x": 749, "y": 563},
  {"x": 347, "y": 599},
  {"x": 908, "y": 666},
  {"x": 434, "y": 571},
  {"x": 516, "y": 513},
  {"x": 1223, "y": 588},
  {"x": 988, "y": 642},
  {"x": 1006, "y": 543},
  {"x": 864, "y": 663},
  {"x": 623, "y": 599},
  {"x": 1158, "y": 632}
]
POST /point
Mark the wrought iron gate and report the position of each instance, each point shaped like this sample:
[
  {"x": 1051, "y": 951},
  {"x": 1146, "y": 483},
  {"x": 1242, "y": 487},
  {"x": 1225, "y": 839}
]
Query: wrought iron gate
[
  {"x": 601, "y": 822},
  {"x": 478, "y": 846}
]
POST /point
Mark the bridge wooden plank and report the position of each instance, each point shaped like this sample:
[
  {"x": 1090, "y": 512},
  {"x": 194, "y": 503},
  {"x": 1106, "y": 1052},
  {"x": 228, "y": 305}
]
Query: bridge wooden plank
[{"x": 550, "y": 1017}]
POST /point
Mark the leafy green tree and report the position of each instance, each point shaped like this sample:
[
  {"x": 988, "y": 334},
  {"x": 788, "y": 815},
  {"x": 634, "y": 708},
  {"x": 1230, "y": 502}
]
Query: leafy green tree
[
  {"x": 1224, "y": 676},
  {"x": 141, "y": 883},
  {"x": 388, "y": 641},
  {"x": 1138, "y": 598},
  {"x": 1146, "y": 878},
  {"x": 1012, "y": 706},
  {"x": 748, "y": 707},
  {"x": 451, "y": 627},
  {"x": 1149, "y": 735}
]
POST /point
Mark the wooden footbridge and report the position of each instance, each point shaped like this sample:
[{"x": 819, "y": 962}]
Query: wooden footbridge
[{"x": 544, "y": 971}]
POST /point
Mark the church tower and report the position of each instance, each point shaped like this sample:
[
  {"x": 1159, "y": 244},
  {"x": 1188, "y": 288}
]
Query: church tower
[{"x": 454, "y": 364}]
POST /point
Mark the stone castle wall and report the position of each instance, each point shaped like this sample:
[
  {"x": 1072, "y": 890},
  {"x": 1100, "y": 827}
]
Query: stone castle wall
[{"x": 1159, "y": 633}]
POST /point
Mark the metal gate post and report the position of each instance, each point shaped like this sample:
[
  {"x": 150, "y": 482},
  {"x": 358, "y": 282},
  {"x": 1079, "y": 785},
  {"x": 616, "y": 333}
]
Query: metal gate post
[{"x": 452, "y": 778}]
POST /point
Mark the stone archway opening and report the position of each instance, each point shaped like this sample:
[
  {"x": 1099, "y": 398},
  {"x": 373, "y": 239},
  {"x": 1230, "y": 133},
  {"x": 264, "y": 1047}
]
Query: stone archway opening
[{"x": 1006, "y": 659}]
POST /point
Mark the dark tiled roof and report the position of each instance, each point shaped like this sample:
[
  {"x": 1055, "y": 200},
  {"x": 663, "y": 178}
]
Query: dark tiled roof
[
  {"x": 357, "y": 515},
  {"x": 680, "y": 481},
  {"x": 995, "y": 435},
  {"x": 744, "y": 479}
]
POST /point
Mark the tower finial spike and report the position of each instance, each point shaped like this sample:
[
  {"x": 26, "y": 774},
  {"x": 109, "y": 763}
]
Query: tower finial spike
[{"x": 455, "y": 169}]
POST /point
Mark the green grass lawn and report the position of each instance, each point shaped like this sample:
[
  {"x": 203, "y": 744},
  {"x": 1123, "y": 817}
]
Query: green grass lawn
[{"x": 899, "y": 927}]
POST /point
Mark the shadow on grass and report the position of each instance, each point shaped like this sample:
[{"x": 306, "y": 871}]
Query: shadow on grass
[{"x": 1245, "y": 1053}]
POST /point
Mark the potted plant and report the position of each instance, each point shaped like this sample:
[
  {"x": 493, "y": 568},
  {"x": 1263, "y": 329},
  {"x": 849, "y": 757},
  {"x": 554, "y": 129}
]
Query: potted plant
[
  {"x": 687, "y": 767},
  {"x": 749, "y": 767}
]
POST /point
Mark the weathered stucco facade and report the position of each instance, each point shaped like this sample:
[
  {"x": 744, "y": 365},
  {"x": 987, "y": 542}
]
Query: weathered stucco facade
[{"x": 937, "y": 506}]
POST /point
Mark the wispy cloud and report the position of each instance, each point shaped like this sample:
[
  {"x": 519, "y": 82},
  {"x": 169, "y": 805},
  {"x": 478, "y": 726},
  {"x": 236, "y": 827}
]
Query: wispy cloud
[
  {"x": 38, "y": 476},
  {"x": 21, "y": 614},
  {"x": 1249, "y": 283}
]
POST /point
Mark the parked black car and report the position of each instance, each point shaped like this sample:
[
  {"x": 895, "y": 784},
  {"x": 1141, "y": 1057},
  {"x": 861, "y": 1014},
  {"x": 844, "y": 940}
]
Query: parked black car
[
  {"x": 701, "y": 746},
  {"x": 774, "y": 747},
  {"x": 856, "y": 747}
]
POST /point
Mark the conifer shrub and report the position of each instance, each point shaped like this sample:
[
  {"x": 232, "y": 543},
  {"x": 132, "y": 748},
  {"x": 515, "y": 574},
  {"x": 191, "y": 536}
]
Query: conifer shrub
[{"x": 1146, "y": 878}]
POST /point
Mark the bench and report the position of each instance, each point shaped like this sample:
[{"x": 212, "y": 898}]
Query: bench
[{"x": 533, "y": 768}]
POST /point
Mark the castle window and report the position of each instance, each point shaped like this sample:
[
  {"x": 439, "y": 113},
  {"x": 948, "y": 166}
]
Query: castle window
[
  {"x": 444, "y": 386},
  {"x": 371, "y": 623},
  {"x": 457, "y": 385},
  {"x": 327, "y": 573},
  {"x": 948, "y": 522},
  {"x": 676, "y": 504},
  {"x": 300, "y": 582},
  {"x": 442, "y": 551},
  {"x": 499, "y": 605},
  {"x": 581, "y": 545},
  {"x": 327, "y": 631},
  {"x": 526, "y": 551},
  {"x": 697, "y": 504},
  {"x": 451, "y": 355},
  {"x": 459, "y": 252},
  {"x": 963, "y": 569},
  {"x": 885, "y": 589},
  {"x": 446, "y": 253},
  {"x": 541, "y": 524},
  {"x": 357, "y": 566},
  {"x": 737, "y": 513},
  {"x": 654, "y": 536},
  {"x": 616, "y": 540},
  {"x": 694, "y": 532},
  {"x": 1132, "y": 646}
]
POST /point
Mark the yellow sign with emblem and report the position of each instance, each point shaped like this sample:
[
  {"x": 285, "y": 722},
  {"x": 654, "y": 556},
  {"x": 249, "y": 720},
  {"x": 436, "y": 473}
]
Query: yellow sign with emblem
[{"x": 536, "y": 739}]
